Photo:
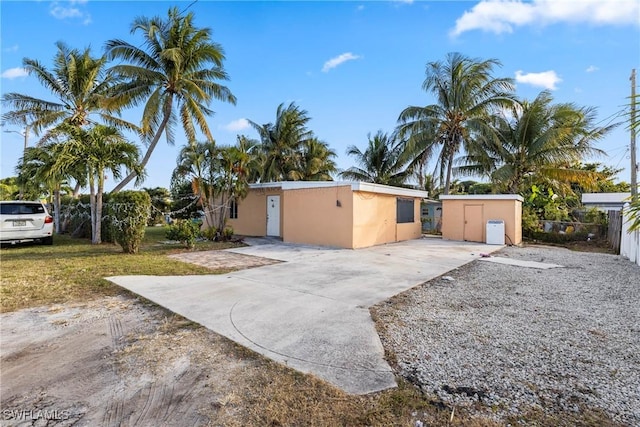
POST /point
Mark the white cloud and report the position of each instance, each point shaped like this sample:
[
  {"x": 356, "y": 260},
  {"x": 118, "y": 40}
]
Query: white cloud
[
  {"x": 591, "y": 69},
  {"x": 501, "y": 16},
  {"x": 334, "y": 62},
  {"x": 70, "y": 10},
  {"x": 14, "y": 73},
  {"x": 360, "y": 7},
  {"x": 545, "y": 79},
  {"x": 236, "y": 125},
  {"x": 13, "y": 48}
]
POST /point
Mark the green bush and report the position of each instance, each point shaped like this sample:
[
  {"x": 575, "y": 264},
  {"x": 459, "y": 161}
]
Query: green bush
[
  {"x": 530, "y": 221},
  {"x": 210, "y": 233},
  {"x": 128, "y": 213},
  {"x": 184, "y": 231},
  {"x": 596, "y": 216},
  {"x": 227, "y": 233}
]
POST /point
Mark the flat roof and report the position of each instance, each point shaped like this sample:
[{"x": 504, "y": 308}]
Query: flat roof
[
  {"x": 355, "y": 186},
  {"x": 605, "y": 197},
  {"x": 483, "y": 197}
]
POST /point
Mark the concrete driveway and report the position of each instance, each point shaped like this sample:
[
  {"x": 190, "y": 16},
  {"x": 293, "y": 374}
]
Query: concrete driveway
[{"x": 309, "y": 312}]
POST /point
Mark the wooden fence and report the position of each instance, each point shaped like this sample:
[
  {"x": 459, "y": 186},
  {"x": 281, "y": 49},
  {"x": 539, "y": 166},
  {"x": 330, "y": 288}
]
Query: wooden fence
[{"x": 615, "y": 230}]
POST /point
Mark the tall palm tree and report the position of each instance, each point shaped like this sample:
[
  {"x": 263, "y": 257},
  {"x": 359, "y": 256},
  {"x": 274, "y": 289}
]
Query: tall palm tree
[
  {"x": 80, "y": 85},
  {"x": 382, "y": 162},
  {"x": 538, "y": 142},
  {"x": 282, "y": 143},
  {"x": 317, "y": 161},
  {"x": 466, "y": 94},
  {"x": 98, "y": 149},
  {"x": 175, "y": 74}
]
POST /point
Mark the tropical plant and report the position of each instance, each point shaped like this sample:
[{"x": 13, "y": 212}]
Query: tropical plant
[
  {"x": 81, "y": 88},
  {"x": 536, "y": 144},
  {"x": 219, "y": 175},
  {"x": 38, "y": 172},
  {"x": 381, "y": 163},
  {"x": 317, "y": 161},
  {"x": 184, "y": 231},
  {"x": 282, "y": 142},
  {"x": 467, "y": 94},
  {"x": 98, "y": 150},
  {"x": 10, "y": 188},
  {"x": 128, "y": 212},
  {"x": 175, "y": 73}
]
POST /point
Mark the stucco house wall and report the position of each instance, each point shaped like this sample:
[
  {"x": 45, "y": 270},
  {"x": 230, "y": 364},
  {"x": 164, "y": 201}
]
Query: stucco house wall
[
  {"x": 480, "y": 209},
  {"x": 338, "y": 214},
  {"x": 312, "y": 216},
  {"x": 252, "y": 212}
]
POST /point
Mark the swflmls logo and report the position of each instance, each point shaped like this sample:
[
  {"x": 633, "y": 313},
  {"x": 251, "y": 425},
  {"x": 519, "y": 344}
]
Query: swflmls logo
[{"x": 23, "y": 415}]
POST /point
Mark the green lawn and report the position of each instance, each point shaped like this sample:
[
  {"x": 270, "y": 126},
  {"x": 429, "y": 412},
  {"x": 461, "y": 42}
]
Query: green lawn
[{"x": 73, "y": 270}]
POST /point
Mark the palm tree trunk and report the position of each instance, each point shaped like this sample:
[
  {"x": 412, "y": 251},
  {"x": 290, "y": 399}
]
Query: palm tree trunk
[
  {"x": 92, "y": 203},
  {"x": 98, "y": 230},
  {"x": 447, "y": 183},
  {"x": 56, "y": 209},
  {"x": 152, "y": 146}
]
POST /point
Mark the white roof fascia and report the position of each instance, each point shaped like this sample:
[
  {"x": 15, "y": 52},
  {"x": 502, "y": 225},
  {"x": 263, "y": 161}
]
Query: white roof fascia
[
  {"x": 355, "y": 186},
  {"x": 605, "y": 197},
  {"x": 388, "y": 189},
  {"x": 483, "y": 197}
]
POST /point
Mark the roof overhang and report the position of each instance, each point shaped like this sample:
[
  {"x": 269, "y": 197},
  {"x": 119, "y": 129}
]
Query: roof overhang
[{"x": 355, "y": 186}]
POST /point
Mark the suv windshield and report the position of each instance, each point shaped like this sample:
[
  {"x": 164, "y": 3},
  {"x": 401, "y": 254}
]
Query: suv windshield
[{"x": 21, "y": 208}]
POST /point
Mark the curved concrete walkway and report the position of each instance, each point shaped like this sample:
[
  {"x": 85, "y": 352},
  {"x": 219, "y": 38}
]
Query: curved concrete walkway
[{"x": 309, "y": 312}]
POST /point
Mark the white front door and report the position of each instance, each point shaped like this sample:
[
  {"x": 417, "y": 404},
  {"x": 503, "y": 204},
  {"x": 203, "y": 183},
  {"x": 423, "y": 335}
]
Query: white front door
[{"x": 273, "y": 216}]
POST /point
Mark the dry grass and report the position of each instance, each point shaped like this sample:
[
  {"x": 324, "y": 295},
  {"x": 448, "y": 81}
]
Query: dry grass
[{"x": 73, "y": 270}]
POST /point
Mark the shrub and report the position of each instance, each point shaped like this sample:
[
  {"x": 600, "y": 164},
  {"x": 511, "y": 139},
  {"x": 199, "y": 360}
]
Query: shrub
[
  {"x": 227, "y": 234},
  {"x": 210, "y": 233},
  {"x": 128, "y": 212},
  {"x": 184, "y": 231}
]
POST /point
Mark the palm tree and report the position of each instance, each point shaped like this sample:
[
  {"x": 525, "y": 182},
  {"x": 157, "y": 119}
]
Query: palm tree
[
  {"x": 218, "y": 174},
  {"x": 317, "y": 161},
  {"x": 538, "y": 142},
  {"x": 80, "y": 85},
  {"x": 98, "y": 149},
  {"x": 381, "y": 163},
  {"x": 466, "y": 94},
  {"x": 282, "y": 142},
  {"x": 176, "y": 76}
]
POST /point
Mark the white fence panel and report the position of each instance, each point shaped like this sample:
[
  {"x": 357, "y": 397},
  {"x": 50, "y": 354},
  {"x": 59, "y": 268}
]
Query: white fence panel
[{"x": 630, "y": 241}]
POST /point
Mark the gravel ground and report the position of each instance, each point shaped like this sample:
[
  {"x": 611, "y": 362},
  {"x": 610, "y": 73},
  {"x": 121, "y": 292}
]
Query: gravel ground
[{"x": 503, "y": 339}]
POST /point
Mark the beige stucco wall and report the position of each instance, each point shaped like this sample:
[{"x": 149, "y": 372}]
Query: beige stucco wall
[
  {"x": 312, "y": 216},
  {"x": 374, "y": 220},
  {"x": 252, "y": 212},
  {"x": 508, "y": 210}
]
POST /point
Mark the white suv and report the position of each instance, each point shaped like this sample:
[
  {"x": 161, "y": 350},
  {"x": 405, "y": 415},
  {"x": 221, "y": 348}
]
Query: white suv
[{"x": 22, "y": 221}]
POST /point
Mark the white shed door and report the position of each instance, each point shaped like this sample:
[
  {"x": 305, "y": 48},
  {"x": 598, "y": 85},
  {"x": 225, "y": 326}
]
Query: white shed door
[{"x": 273, "y": 216}]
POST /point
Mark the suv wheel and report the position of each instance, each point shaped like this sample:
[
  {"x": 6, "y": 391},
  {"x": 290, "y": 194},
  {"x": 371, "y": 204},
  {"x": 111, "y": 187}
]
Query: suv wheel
[{"x": 47, "y": 241}]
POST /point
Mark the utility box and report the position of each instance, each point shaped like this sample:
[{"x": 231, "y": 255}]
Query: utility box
[{"x": 495, "y": 232}]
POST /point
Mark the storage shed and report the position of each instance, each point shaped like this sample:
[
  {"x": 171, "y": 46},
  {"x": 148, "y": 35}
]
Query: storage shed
[
  {"x": 338, "y": 214},
  {"x": 468, "y": 217}
]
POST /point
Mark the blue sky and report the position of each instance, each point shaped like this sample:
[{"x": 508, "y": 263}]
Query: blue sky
[{"x": 353, "y": 65}]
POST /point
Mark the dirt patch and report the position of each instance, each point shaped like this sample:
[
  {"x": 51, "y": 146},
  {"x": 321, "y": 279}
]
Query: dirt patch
[
  {"x": 112, "y": 362},
  {"x": 217, "y": 260}
]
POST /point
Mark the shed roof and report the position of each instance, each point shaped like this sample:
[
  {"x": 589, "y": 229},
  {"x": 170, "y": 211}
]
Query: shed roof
[
  {"x": 604, "y": 198},
  {"x": 355, "y": 186},
  {"x": 483, "y": 197}
]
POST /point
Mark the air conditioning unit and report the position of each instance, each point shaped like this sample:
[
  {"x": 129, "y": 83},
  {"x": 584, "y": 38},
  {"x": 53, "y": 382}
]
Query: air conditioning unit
[{"x": 495, "y": 232}]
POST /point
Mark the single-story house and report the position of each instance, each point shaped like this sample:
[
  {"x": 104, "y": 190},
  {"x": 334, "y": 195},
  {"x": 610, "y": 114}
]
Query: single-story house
[
  {"x": 477, "y": 218},
  {"x": 329, "y": 213},
  {"x": 605, "y": 201}
]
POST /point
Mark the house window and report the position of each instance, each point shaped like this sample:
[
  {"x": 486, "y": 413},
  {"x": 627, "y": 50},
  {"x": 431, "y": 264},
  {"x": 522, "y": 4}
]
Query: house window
[
  {"x": 233, "y": 210},
  {"x": 404, "y": 210}
]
